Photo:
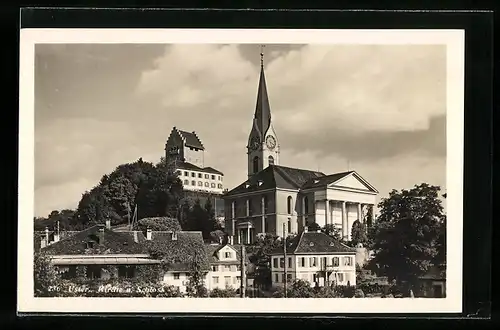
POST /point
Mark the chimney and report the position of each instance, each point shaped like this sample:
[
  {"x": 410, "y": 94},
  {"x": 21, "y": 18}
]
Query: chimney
[
  {"x": 56, "y": 233},
  {"x": 149, "y": 233},
  {"x": 174, "y": 236},
  {"x": 306, "y": 229},
  {"x": 47, "y": 236},
  {"x": 101, "y": 235},
  {"x": 108, "y": 223}
]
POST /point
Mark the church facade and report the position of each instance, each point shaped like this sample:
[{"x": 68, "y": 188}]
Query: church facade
[{"x": 283, "y": 200}]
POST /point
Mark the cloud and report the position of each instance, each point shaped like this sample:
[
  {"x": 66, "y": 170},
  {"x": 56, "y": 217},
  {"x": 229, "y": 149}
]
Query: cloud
[{"x": 380, "y": 108}]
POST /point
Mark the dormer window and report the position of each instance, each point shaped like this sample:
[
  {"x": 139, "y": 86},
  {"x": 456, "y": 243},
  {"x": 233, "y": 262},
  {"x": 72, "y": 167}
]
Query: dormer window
[
  {"x": 89, "y": 245},
  {"x": 332, "y": 244},
  {"x": 227, "y": 255},
  {"x": 260, "y": 183},
  {"x": 247, "y": 185},
  {"x": 311, "y": 244},
  {"x": 316, "y": 181}
]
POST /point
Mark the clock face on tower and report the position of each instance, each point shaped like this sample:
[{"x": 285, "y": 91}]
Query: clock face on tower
[
  {"x": 254, "y": 143},
  {"x": 270, "y": 142}
]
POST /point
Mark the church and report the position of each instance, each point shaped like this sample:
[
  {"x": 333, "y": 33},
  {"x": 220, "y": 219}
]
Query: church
[{"x": 283, "y": 200}]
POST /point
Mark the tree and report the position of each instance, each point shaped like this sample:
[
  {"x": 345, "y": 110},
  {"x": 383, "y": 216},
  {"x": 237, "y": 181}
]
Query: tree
[
  {"x": 158, "y": 224},
  {"x": 332, "y": 230},
  {"x": 358, "y": 233},
  {"x": 264, "y": 245},
  {"x": 406, "y": 233},
  {"x": 184, "y": 214},
  {"x": 45, "y": 276},
  {"x": 196, "y": 286},
  {"x": 209, "y": 224},
  {"x": 313, "y": 227}
]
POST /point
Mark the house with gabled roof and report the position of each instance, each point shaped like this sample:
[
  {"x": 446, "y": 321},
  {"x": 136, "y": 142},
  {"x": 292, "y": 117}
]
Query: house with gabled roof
[
  {"x": 100, "y": 246},
  {"x": 225, "y": 266},
  {"x": 185, "y": 151},
  {"x": 281, "y": 200},
  {"x": 314, "y": 257}
]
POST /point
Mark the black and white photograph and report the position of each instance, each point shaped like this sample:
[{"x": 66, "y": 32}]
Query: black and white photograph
[{"x": 218, "y": 165}]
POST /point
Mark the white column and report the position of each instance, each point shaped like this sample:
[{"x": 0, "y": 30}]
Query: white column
[
  {"x": 360, "y": 214},
  {"x": 248, "y": 234},
  {"x": 373, "y": 214},
  {"x": 344, "y": 221},
  {"x": 327, "y": 211},
  {"x": 239, "y": 235}
]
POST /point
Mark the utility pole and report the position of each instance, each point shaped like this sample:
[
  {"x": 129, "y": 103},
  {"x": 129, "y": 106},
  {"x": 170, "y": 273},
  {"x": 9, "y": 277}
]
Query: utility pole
[
  {"x": 243, "y": 272},
  {"x": 284, "y": 264}
]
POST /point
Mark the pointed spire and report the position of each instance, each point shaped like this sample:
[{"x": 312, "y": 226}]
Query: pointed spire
[
  {"x": 262, "y": 109},
  {"x": 262, "y": 56}
]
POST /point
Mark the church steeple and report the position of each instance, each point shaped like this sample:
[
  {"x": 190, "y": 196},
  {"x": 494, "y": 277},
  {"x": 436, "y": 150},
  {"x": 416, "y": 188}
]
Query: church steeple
[
  {"x": 262, "y": 114},
  {"x": 263, "y": 147}
]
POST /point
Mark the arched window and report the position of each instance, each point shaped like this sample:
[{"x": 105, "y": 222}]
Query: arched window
[
  {"x": 306, "y": 205},
  {"x": 271, "y": 160},
  {"x": 255, "y": 164},
  {"x": 289, "y": 205}
]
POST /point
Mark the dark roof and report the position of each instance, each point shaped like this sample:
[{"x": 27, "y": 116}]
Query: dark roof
[
  {"x": 276, "y": 176},
  {"x": 262, "y": 114},
  {"x": 212, "y": 250},
  {"x": 179, "y": 254},
  {"x": 191, "y": 139},
  {"x": 38, "y": 235},
  {"x": 327, "y": 179},
  {"x": 113, "y": 243},
  {"x": 315, "y": 243},
  {"x": 192, "y": 167}
]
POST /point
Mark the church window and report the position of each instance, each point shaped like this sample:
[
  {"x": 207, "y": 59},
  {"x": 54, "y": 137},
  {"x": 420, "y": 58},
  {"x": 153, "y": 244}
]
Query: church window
[
  {"x": 213, "y": 185},
  {"x": 206, "y": 184},
  {"x": 271, "y": 160},
  {"x": 289, "y": 205},
  {"x": 220, "y": 186},
  {"x": 193, "y": 183},
  {"x": 249, "y": 207},
  {"x": 186, "y": 182},
  {"x": 255, "y": 164},
  {"x": 306, "y": 205},
  {"x": 206, "y": 176},
  {"x": 200, "y": 183}
]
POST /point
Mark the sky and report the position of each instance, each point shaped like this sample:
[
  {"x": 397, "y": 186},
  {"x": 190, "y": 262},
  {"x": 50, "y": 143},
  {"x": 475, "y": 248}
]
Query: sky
[{"x": 377, "y": 109}]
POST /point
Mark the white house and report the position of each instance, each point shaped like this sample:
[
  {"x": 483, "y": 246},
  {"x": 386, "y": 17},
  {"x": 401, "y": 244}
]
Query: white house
[
  {"x": 225, "y": 266},
  {"x": 317, "y": 258}
]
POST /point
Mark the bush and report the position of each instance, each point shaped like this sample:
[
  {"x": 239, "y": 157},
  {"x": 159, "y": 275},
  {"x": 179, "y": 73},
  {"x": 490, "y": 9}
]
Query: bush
[
  {"x": 45, "y": 276},
  {"x": 359, "y": 293},
  {"x": 374, "y": 288},
  {"x": 223, "y": 293}
]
